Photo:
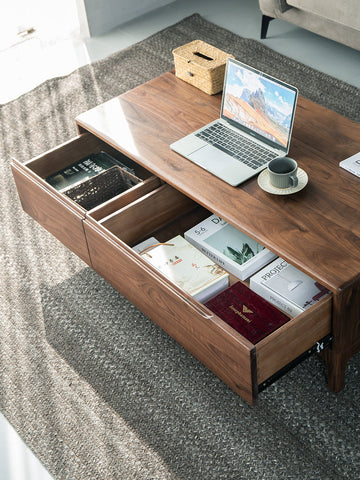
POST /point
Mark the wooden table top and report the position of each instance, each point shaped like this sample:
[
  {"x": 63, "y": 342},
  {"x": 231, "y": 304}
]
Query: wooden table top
[{"x": 316, "y": 229}]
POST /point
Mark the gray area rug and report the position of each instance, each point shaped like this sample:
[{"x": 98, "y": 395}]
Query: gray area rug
[{"x": 92, "y": 385}]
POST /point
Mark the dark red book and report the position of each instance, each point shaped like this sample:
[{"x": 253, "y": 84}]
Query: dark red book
[{"x": 247, "y": 312}]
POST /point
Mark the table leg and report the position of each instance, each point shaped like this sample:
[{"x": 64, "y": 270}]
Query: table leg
[
  {"x": 346, "y": 333},
  {"x": 335, "y": 365}
]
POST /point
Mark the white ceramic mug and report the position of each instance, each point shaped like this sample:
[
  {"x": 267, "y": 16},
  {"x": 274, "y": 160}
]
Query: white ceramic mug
[{"x": 282, "y": 172}]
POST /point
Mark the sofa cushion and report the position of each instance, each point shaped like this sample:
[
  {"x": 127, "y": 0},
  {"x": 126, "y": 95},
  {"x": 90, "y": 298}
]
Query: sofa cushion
[{"x": 346, "y": 12}]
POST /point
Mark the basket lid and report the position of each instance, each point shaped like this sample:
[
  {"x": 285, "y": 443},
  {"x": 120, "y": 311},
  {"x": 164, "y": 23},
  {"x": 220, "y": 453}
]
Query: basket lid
[{"x": 202, "y": 53}]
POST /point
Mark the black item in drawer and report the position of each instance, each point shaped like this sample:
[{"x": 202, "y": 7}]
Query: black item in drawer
[{"x": 102, "y": 187}]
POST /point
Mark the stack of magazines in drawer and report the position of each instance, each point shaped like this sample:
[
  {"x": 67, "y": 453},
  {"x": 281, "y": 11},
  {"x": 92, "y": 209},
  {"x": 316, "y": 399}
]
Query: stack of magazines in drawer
[{"x": 212, "y": 260}]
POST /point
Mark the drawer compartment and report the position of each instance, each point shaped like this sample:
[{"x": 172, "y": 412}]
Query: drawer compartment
[
  {"x": 56, "y": 211},
  {"x": 214, "y": 343},
  {"x": 165, "y": 213}
]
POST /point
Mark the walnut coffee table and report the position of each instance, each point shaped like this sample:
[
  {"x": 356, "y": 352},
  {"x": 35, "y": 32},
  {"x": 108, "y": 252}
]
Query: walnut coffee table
[{"x": 317, "y": 229}]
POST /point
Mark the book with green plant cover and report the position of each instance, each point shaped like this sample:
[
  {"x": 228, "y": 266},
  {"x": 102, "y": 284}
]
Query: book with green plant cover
[{"x": 230, "y": 248}]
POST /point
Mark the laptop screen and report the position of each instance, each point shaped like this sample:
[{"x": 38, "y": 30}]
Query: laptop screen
[{"x": 258, "y": 104}]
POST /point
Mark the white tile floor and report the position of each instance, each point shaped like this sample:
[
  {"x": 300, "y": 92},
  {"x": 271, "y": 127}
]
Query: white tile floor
[
  {"x": 33, "y": 61},
  {"x": 17, "y": 462}
]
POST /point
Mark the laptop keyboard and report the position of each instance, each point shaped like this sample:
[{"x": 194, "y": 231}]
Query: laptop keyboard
[{"x": 239, "y": 147}]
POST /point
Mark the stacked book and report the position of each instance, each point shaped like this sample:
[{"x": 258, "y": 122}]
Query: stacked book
[
  {"x": 228, "y": 247},
  {"x": 277, "y": 292},
  {"x": 247, "y": 312},
  {"x": 287, "y": 287},
  {"x": 187, "y": 267}
]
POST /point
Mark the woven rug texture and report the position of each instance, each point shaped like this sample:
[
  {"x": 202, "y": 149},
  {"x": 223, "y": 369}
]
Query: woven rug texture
[{"x": 97, "y": 390}]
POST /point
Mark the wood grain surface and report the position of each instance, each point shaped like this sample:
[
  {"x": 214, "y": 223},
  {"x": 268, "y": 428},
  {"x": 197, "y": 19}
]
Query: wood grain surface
[
  {"x": 317, "y": 230},
  {"x": 56, "y": 216}
]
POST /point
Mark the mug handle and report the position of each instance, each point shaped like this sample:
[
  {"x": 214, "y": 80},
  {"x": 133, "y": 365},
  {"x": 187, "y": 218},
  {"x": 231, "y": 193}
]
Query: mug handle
[{"x": 293, "y": 180}]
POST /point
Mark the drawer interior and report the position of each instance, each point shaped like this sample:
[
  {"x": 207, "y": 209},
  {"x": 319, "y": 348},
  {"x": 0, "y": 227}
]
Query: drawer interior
[
  {"x": 125, "y": 184},
  {"x": 163, "y": 213},
  {"x": 77, "y": 148}
]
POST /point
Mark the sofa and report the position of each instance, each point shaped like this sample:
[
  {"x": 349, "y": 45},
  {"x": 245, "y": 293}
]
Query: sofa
[{"x": 334, "y": 19}]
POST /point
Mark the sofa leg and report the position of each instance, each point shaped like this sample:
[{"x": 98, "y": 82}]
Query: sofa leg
[{"x": 264, "y": 25}]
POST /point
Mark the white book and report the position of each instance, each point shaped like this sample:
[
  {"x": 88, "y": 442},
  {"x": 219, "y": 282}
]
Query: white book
[
  {"x": 147, "y": 245},
  {"x": 352, "y": 164},
  {"x": 229, "y": 247},
  {"x": 188, "y": 268},
  {"x": 286, "y": 287}
]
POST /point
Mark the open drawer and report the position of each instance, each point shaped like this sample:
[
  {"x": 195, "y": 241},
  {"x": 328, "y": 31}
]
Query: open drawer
[
  {"x": 165, "y": 213},
  {"x": 57, "y": 212}
]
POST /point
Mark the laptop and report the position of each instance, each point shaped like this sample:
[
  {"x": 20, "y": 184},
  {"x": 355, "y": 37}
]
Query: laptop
[{"x": 255, "y": 125}]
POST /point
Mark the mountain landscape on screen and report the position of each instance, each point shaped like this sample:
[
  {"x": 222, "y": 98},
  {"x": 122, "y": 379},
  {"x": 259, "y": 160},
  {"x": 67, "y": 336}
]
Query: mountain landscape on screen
[
  {"x": 252, "y": 110},
  {"x": 259, "y": 104}
]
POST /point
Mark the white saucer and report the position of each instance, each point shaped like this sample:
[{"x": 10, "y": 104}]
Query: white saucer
[{"x": 264, "y": 183}]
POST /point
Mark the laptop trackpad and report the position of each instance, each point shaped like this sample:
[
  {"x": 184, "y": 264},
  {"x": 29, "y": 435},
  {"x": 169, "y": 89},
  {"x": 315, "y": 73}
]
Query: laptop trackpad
[{"x": 215, "y": 160}]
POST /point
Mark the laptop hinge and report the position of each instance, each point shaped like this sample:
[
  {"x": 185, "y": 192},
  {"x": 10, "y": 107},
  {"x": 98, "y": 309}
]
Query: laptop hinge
[{"x": 253, "y": 138}]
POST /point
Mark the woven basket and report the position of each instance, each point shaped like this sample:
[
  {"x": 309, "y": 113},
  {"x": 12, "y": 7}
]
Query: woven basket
[
  {"x": 201, "y": 65},
  {"x": 102, "y": 187}
]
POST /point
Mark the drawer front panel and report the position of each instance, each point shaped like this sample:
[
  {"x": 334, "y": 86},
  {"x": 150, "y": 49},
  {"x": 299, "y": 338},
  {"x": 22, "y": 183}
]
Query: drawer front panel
[
  {"x": 206, "y": 337},
  {"x": 293, "y": 339},
  {"x": 49, "y": 211}
]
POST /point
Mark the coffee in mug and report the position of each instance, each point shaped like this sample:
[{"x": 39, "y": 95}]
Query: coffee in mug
[{"x": 282, "y": 172}]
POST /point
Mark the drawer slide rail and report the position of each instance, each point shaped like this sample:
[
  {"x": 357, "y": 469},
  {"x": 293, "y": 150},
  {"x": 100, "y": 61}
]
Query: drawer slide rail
[{"x": 318, "y": 347}]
